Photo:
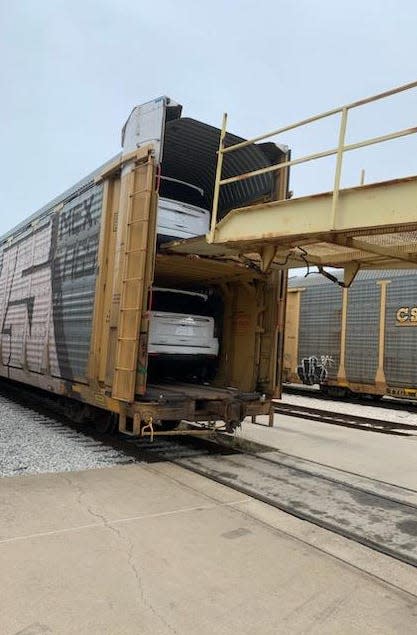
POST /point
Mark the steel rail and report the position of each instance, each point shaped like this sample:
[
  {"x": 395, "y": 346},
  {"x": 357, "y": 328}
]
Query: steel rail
[
  {"x": 322, "y": 115},
  {"x": 346, "y": 420},
  {"x": 302, "y": 514},
  {"x": 404, "y": 404},
  {"x": 320, "y": 155}
]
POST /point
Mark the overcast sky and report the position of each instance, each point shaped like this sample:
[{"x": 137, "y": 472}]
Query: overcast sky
[{"x": 72, "y": 70}]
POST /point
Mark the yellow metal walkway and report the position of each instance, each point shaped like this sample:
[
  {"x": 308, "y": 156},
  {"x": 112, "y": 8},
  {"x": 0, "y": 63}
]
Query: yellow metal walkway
[{"x": 372, "y": 226}]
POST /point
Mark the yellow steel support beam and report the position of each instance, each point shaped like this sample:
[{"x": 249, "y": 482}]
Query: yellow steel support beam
[
  {"x": 371, "y": 209},
  {"x": 323, "y": 222}
]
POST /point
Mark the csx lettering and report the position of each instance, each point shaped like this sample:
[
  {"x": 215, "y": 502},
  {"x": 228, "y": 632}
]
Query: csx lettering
[{"x": 407, "y": 314}]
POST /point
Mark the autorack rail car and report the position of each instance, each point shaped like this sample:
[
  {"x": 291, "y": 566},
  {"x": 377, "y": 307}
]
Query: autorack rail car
[
  {"x": 76, "y": 279},
  {"x": 80, "y": 282},
  {"x": 357, "y": 340}
]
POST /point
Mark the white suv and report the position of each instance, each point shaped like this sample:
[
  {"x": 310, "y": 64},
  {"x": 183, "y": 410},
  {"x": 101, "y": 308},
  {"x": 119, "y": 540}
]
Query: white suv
[
  {"x": 180, "y": 325},
  {"x": 179, "y": 211}
]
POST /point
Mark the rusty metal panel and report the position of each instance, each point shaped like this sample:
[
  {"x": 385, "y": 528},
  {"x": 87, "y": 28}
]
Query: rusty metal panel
[
  {"x": 47, "y": 282},
  {"x": 319, "y": 334},
  {"x": 362, "y": 331},
  {"x": 292, "y": 327},
  {"x": 401, "y": 331},
  {"x": 25, "y": 298},
  {"x": 74, "y": 271}
]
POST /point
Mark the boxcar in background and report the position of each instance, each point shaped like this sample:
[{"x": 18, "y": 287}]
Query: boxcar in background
[{"x": 362, "y": 339}]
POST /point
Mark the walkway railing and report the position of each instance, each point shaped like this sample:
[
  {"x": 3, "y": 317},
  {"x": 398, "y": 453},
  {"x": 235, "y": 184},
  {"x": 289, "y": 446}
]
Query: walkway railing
[{"x": 338, "y": 150}]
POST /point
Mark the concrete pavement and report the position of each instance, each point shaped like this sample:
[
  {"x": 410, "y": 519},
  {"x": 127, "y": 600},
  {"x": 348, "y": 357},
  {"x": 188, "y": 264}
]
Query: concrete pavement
[
  {"x": 156, "y": 549},
  {"x": 384, "y": 457}
]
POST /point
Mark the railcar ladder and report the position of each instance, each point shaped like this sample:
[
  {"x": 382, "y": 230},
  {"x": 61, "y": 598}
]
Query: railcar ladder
[{"x": 138, "y": 243}]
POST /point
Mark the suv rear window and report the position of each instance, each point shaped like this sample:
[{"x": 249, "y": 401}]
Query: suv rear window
[
  {"x": 176, "y": 302},
  {"x": 179, "y": 191}
]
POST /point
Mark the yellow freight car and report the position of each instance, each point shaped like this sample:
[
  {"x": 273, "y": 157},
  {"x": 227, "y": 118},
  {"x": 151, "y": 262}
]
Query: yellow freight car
[
  {"x": 77, "y": 279},
  {"x": 357, "y": 340}
]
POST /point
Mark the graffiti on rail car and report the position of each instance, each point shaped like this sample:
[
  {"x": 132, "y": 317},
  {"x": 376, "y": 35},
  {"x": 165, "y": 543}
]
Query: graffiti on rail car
[
  {"x": 47, "y": 283},
  {"x": 313, "y": 370}
]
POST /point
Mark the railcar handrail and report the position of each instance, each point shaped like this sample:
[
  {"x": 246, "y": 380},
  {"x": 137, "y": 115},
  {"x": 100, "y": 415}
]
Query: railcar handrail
[{"x": 338, "y": 150}]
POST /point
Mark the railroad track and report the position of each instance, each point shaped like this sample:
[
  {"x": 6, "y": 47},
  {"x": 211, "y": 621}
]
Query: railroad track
[
  {"x": 387, "y": 403},
  {"x": 376, "y": 514},
  {"x": 344, "y": 419}
]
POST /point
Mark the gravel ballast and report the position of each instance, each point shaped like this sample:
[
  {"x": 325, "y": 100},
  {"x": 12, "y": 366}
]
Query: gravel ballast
[{"x": 32, "y": 442}]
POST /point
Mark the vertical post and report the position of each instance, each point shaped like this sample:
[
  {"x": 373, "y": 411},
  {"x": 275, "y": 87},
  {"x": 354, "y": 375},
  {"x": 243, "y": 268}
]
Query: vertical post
[
  {"x": 380, "y": 381},
  {"x": 210, "y": 236},
  {"x": 339, "y": 161},
  {"x": 341, "y": 373}
]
